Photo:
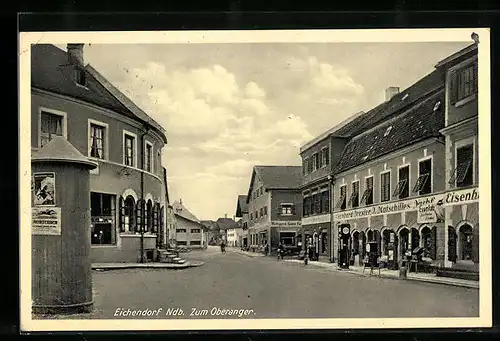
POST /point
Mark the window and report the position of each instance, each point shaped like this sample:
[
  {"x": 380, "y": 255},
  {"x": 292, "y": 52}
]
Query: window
[
  {"x": 195, "y": 242},
  {"x": 309, "y": 165},
  {"x": 424, "y": 181},
  {"x": 180, "y": 230},
  {"x": 97, "y": 141},
  {"x": 80, "y": 77},
  {"x": 195, "y": 230},
  {"x": 265, "y": 210},
  {"x": 181, "y": 242},
  {"x": 305, "y": 206},
  {"x": 50, "y": 125},
  {"x": 262, "y": 211},
  {"x": 325, "y": 200},
  {"x": 385, "y": 186},
  {"x": 101, "y": 204},
  {"x": 403, "y": 187},
  {"x": 325, "y": 160},
  {"x": 304, "y": 166},
  {"x": 102, "y": 233},
  {"x": 317, "y": 203},
  {"x": 149, "y": 157},
  {"x": 463, "y": 174},
  {"x": 463, "y": 83},
  {"x": 257, "y": 214},
  {"x": 129, "y": 150},
  {"x": 342, "y": 199},
  {"x": 127, "y": 214},
  {"x": 251, "y": 216},
  {"x": 315, "y": 161},
  {"x": 287, "y": 209},
  {"x": 367, "y": 197},
  {"x": 354, "y": 199}
]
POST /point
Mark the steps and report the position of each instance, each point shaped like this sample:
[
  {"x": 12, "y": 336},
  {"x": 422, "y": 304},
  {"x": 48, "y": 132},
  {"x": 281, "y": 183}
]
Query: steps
[{"x": 170, "y": 257}]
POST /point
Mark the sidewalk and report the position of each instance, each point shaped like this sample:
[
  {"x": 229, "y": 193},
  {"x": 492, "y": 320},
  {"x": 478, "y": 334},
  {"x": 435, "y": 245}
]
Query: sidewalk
[
  {"x": 116, "y": 266},
  {"x": 394, "y": 274},
  {"x": 245, "y": 253}
]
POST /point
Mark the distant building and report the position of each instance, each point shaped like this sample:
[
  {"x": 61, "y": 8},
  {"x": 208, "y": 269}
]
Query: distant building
[
  {"x": 242, "y": 213},
  {"x": 275, "y": 206},
  {"x": 228, "y": 230},
  {"x": 189, "y": 232},
  {"x": 212, "y": 232}
]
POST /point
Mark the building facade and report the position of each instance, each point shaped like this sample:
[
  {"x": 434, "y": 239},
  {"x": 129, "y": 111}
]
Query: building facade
[
  {"x": 242, "y": 213},
  {"x": 275, "y": 206},
  {"x": 189, "y": 231},
  {"x": 461, "y": 205},
  {"x": 73, "y": 100}
]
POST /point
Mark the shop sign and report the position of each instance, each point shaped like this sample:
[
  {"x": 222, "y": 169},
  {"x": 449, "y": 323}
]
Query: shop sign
[
  {"x": 319, "y": 219},
  {"x": 291, "y": 223},
  {"x": 420, "y": 204},
  {"x": 46, "y": 221}
]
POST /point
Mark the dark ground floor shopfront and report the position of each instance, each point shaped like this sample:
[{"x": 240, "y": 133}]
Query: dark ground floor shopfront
[{"x": 316, "y": 239}]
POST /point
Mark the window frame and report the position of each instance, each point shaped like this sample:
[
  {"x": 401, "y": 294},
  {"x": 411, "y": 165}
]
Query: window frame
[
  {"x": 351, "y": 198},
  {"x": 463, "y": 143},
  {"x": 365, "y": 188},
  {"x": 104, "y": 125},
  {"x": 338, "y": 204},
  {"x": 409, "y": 179},
  {"x": 325, "y": 159},
  {"x": 425, "y": 158},
  {"x": 388, "y": 171},
  {"x": 127, "y": 133},
  {"x": 146, "y": 144},
  {"x": 64, "y": 122},
  {"x": 315, "y": 161},
  {"x": 286, "y": 204},
  {"x": 453, "y": 76}
]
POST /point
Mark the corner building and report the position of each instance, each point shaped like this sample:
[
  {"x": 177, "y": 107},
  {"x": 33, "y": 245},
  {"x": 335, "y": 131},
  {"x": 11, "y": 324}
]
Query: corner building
[{"x": 128, "y": 191}]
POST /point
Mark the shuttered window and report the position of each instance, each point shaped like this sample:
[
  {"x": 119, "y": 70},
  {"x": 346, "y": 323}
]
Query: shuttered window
[
  {"x": 367, "y": 197},
  {"x": 385, "y": 186},
  {"x": 354, "y": 199},
  {"x": 424, "y": 181},
  {"x": 463, "y": 83},
  {"x": 462, "y": 175},
  {"x": 342, "y": 202}
]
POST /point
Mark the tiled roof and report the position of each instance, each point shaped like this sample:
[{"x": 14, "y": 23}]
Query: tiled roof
[
  {"x": 280, "y": 177},
  {"x": 405, "y": 99},
  {"x": 419, "y": 123},
  {"x": 226, "y": 224},
  {"x": 51, "y": 71},
  {"x": 242, "y": 206},
  {"x": 210, "y": 224},
  {"x": 183, "y": 212}
]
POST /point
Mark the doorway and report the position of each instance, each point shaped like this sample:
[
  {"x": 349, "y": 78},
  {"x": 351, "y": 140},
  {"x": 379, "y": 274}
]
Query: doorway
[{"x": 465, "y": 242}]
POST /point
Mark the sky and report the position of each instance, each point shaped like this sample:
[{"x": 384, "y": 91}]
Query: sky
[{"x": 228, "y": 107}]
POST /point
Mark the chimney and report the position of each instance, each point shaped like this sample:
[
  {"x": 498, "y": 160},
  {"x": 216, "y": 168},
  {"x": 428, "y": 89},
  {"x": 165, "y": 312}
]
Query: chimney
[
  {"x": 75, "y": 54},
  {"x": 180, "y": 201},
  {"x": 225, "y": 215},
  {"x": 391, "y": 92}
]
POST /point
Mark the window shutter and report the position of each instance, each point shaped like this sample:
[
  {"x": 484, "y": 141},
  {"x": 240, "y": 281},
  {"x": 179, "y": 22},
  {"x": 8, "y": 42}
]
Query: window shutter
[
  {"x": 433, "y": 243},
  {"x": 121, "y": 214},
  {"x": 293, "y": 210},
  {"x": 453, "y": 87}
]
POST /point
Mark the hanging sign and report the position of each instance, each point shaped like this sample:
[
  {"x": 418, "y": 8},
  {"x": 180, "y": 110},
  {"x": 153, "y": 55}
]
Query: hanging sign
[{"x": 46, "y": 221}]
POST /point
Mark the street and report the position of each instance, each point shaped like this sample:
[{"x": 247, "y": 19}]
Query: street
[
  {"x": 262, "y": 287},
  {"x": 273, "y": 289}
]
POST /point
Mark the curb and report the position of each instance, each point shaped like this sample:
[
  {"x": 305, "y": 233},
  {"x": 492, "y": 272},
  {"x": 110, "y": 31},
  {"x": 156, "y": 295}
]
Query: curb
[
  {"x": 147, "y": 266},
  {"x": 425, "y": 280}
]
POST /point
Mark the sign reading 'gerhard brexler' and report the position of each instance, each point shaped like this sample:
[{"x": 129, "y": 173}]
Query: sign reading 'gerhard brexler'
[{"x": 429, "y": 208}]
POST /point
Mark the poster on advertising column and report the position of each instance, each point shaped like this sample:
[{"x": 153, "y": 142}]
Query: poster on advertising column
[{"x": 46, "y": 221}]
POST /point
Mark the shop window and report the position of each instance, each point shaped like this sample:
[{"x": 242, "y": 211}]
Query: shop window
[
  {"x": 367, "y": 197},
  {"x": 463, "y": 83},
  {"x": 462, "y": 175},
  {"x": 195, "y": 242},
  {"x": 465, "y": 235},
  {"x": 342, "y": 202},
  {"x": 403, "y": 187},
  {"x": 354, "y": 199},
  {"x": 50, "y": 125},
  {"x": 97, "y": 141},
  {"x": 102, "y": 233},
  {"x": 385, "y": 186},
  {"x": 424, "y": 181},
  {"x": 287, "y": 238},
  {"x": 100, "y": 204},
  {"x": 325, "y": 199}
]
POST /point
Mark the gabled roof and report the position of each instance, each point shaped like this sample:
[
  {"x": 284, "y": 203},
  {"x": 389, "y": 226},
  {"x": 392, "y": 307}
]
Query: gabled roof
[
  {"x": 209, "y": 224},
  {"x": 468, "y": 50},
  {"x": 419, "y": 123},
  {"x": 226, "y": 224},
  {"x": 51, "y": 71},
  {"x": 277, "y": 177},
  {"x": 241, "y": 206},
  {"x": 183, "y": 212}
]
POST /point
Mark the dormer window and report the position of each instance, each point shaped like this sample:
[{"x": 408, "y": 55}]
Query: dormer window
[
  {"x": 463, "y": 83},
  {"x": 404, "y": 97},
  {"x": 80, "y": 77},
  {"x": 436, "y": 106},
  {"x": 388, "y": 131}
]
